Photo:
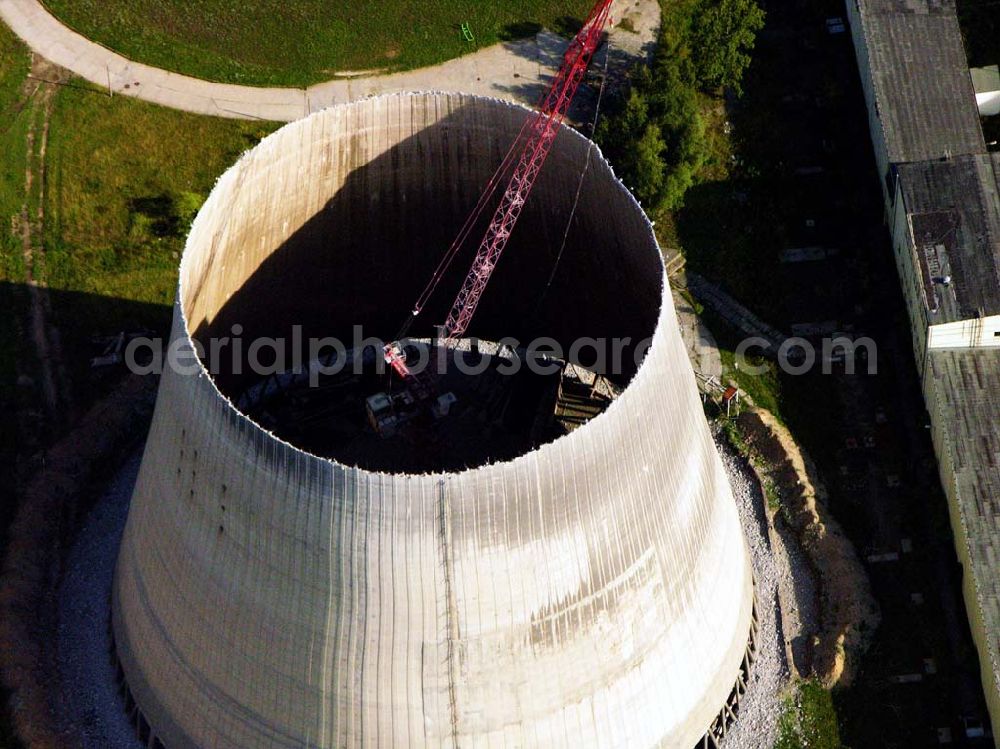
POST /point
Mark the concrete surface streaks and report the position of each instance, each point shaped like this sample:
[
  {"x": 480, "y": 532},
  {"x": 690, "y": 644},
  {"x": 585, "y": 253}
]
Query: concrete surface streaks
[{"x": 595, "y": 591}]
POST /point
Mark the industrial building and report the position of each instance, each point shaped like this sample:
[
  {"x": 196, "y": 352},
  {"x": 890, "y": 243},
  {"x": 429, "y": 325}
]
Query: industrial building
[
  {"x": 585, "y": 588},
  {"x": 941, "y": 186}
]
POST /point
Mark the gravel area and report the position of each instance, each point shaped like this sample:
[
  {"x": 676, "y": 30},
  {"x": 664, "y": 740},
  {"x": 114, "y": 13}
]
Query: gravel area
[
  {"x": 92, "y": 706},
  {"x": 757, "y": 724},
  {"x": 798, "y": 592},
  {"x": 90, "y": 702}
]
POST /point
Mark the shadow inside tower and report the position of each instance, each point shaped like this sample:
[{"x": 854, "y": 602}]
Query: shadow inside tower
[{"x": 364, "y": 258}]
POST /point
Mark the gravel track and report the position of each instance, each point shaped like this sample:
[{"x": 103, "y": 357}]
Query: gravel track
[
  {"x": 90, "y": 698},
  {"x": 757, "y": 724}
]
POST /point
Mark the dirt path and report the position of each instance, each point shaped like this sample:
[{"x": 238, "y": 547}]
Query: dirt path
[
  {"x": 55, "y": 388},
  {"x": 52, "y": 505},
  {"x": 848, "y": 612},
  {"x": 512, "y": 70},
  {"x": 53, "y": 485}
]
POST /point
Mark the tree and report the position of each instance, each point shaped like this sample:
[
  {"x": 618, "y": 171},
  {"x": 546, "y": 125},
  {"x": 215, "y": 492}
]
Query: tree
[
  {"x": 654, "y": 134},
  {"x": 645, "y": 166},
  {"x": 723, "y": 33},
  {"x": 686, "y": 156},
  {"x": 624, "y": 120}
]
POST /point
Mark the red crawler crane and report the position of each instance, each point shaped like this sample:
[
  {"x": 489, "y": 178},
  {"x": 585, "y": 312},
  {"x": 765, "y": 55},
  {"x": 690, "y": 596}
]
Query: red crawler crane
[{"x": 529, "y": 150}]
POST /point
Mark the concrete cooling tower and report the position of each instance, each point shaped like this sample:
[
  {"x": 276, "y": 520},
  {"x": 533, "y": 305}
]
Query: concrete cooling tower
[{"x": 517, "y": 574}]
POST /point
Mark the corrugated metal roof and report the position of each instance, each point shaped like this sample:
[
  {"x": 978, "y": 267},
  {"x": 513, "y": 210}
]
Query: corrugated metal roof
[
  {"x": 916, "y": 7},
  {"x": 927, "y": 108},
  {"x": 923, "y": 89},
  {"x": 966, "y": 387},
  {"x": 955, "y": 215}
]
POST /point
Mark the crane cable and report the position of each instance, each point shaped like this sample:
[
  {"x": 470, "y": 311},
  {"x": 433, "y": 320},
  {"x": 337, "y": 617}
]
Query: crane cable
[
  {"x": 484, "y": 198},
  {"x": 579, "y": 187},
  {"x": 470, "y": 222}
]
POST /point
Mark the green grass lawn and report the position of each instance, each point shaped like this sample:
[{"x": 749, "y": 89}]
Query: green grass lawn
[
  {"x": 14, "y": 63},
  {"x": 809, "y": 720},
  {"x": 124, "y": 178},
  {"x": 124, "y": 181},
  {"x": 270, "y": 42},
  {"x": 14, "y": 120}
]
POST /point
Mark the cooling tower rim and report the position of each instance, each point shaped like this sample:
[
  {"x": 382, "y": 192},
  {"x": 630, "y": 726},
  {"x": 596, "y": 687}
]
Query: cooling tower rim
[{"x": 618, "y": 409}]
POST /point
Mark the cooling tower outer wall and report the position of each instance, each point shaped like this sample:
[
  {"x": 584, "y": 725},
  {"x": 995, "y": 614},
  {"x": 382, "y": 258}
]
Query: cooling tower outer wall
[{"x": 595, "y": 592}]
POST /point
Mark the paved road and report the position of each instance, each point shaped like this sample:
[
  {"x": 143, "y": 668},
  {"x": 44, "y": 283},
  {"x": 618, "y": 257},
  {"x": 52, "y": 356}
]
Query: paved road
[{"x": 514, "y": 70}]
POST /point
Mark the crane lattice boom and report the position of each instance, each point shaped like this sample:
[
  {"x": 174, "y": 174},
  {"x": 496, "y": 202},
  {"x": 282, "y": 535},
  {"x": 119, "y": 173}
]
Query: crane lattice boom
[
  {"x": 544, "y": 128},
  {"x": 536, "y": 141}
]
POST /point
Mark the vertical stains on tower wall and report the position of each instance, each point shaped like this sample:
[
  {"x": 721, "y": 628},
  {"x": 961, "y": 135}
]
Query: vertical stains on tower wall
[{"x": 594, "y": 592}]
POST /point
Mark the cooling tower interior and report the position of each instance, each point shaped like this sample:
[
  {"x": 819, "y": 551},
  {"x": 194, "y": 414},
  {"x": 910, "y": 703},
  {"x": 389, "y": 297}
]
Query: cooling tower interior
[{"x": 592, "y": 588}]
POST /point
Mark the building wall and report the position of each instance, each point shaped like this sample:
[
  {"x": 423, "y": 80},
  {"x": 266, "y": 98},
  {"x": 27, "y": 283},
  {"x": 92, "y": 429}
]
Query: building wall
[
  {"x": 941, "y": 395},
  {"x": 988, "y": 103},
  {"x": 960, "y": 471},
  {"x": 907, "y": 266},
  {"x": 874, "y": 122},
  {"x": 983, "y": 332},
  {"x": 595, "y": 592}
]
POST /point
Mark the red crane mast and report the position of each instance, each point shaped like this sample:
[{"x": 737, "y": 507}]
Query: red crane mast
[{"x": 536, "y": 139}]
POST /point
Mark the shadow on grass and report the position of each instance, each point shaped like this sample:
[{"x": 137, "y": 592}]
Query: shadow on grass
[
  {"x": 520, "y": 30},
  {"x": 565, "y": 26},
  {"x": 568, "y": 26},
  {"x": 980, "y": 24},
  {"x": 164, "y": 215},
  {"x": 159, "y": 213},
  {"x": 8, "y": 737},
  {"x": 730, "y": 236},
  {"x": 26, "y": 432},
  {"x": 83, "y": 322}
]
